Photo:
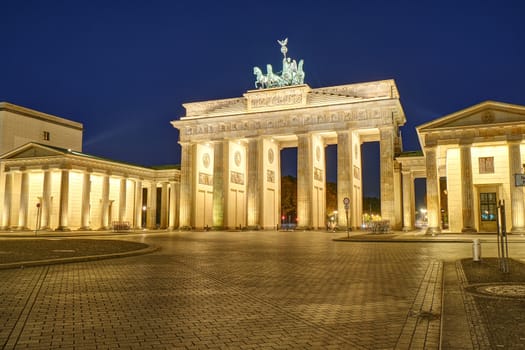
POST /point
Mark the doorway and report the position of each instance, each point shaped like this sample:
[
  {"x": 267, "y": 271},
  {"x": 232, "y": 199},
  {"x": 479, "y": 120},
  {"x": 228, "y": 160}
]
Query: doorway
[{"x": 488, "y": 209}]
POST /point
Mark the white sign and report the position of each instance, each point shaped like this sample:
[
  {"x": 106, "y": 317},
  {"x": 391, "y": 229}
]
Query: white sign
[{"x": 519, "y": 179}]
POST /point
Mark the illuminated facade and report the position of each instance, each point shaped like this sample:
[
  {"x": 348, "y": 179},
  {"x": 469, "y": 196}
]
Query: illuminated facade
[
  {"x": 48, "y": 184},
  {"x": 470, "y": 160},
  {"x": 231, "y": 164},
  {"x": 230, "y": 171}
]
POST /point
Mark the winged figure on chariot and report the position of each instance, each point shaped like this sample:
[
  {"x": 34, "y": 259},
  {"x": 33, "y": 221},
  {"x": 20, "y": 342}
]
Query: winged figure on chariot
[{"x": 292, "y": 72}]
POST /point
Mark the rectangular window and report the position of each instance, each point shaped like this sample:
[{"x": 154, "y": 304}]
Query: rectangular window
[
  {"x": 486, "y": 165},
  {"x": 46, "y": 136},
  {"x": 488, "y": 206}
]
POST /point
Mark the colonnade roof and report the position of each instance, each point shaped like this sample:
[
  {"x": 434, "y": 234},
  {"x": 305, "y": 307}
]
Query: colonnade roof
[
  {"x": 37, "y": 155},
  {"x": 9, "y": 107}
]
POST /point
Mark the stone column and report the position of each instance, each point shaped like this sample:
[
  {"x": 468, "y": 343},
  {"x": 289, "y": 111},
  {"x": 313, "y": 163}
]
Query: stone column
[
  {"x": 467, "y": 188},
  {"x": 516, "y": 193},
  {"x": 398, "y": 197},
  {"x": 24, "y": 201},
  {"x": 344, "y": 175},
  {"x": 220, "y": 206},
  {"x": 186, "y": 185},
  {"x": 137, "y": 224},
  {"x": 253, "y": 190},
  {"x": 151, "y": 221},
  {"x": 6, "y": 213},
  {"x": 433, "y": 210},
  {"x": 408, "y": 203},
  {"x": 63, "y": 212},
  {"x": 86, "y": 201},
  {"x": 46, "y": 201},
  {"x": 386, "y": 146},
  {"x": 104, "y": 217},
  {"x": 164, "y": 206},
  {"x": 304, "y": 181},
  {"x": 174, "y": 196},
  {"x": 122, "y": 199}
]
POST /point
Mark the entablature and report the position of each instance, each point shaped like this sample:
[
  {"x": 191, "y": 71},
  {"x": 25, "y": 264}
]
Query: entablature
[{"x": 361, "y": 115}]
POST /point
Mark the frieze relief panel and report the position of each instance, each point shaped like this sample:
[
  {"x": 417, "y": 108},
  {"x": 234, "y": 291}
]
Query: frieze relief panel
[
  {"x": 205, "y": 179},
  {"x": 270, "y": 176},
  {"x": 236, "y": 178},
  {"x": 272, "y": 99},
  {"x": 357, "y": 173},
  {"x": 318, "y": 174},
  {"x": 366, "y": 117}
]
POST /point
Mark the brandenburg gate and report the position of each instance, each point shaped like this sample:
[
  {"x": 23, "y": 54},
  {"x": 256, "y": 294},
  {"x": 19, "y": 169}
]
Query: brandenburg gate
[{"x": 231, "y": 150}]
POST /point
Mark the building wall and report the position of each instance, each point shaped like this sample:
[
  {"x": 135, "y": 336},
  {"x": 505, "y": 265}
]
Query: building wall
[
  {"x": 500, "y": 178},
  {"x": 18, "y": 129},
  {"x": 498, "y": 181},
  {"x": 236, "y": 185},
  {"x": 271, "y": 174},
  {"x": 203, "y": 206}
]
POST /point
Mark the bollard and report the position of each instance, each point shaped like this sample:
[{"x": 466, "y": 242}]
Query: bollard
[{"x": 476, "y": 250}]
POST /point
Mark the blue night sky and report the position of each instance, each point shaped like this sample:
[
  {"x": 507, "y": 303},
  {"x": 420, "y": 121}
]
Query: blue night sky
[{"x": 124, "y": 68}]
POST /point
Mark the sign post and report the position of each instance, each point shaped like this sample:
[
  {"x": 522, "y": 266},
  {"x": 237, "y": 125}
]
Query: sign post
[
  {"x": 38, "y": 216},
  {"x": 346, "y": 202},
  {"x": 519, "y": 180}
]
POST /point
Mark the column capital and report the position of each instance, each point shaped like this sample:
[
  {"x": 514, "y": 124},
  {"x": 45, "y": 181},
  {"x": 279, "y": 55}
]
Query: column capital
[
  {"x": 430, "y": 147},
  {"x": 465, "y": 142},
  {"x": 514, "y": 139}
]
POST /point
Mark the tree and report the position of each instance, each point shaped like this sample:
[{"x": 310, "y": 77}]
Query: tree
[
  {"x": 331, "y": 198},
  {"x": 289, "y": 196}
]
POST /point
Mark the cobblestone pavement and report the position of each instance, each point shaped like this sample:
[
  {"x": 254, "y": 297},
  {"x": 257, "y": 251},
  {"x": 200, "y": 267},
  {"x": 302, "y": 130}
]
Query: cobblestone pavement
[{"x": 233, "y": 290}]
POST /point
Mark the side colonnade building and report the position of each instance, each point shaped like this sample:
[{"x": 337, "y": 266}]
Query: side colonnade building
[
  {"x": 47, "y": 187},
  {"x": 473, "y": 160}
]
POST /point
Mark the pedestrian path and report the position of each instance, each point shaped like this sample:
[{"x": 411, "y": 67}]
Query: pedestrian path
[{"x": 258, "y": 290}]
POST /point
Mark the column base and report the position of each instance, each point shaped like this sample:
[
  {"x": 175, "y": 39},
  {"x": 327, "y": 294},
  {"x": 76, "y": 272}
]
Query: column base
[
  {"x": 468, "y": 230},
  {"x": 103, "y": 228},
  {"x": 85, "y": 228},
  {"x": 433, "y": 231},
  {"x": 63, "y": 229},
  {"x": 518, "y": 230},
  {"x": 407, "y": 228}
]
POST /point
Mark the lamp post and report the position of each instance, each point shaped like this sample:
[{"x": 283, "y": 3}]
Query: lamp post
[{"x": 346, "y": 202}]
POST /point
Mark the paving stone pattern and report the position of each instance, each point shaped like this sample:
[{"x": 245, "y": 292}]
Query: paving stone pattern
[
  {"x": 230, "y": 290},
  {"x": 495, "y": 329}
]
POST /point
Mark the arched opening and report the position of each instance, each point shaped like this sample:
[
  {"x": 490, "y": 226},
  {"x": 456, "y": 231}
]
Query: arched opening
[
  {"x": 371, "y": 181},
  {"x": 288, "y": 188}
]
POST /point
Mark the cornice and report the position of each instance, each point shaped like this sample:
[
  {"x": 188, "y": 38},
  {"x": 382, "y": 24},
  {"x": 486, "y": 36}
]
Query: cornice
[
  {"x": 363, "y": 114},
  {"x": 89, "y": 165}
]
